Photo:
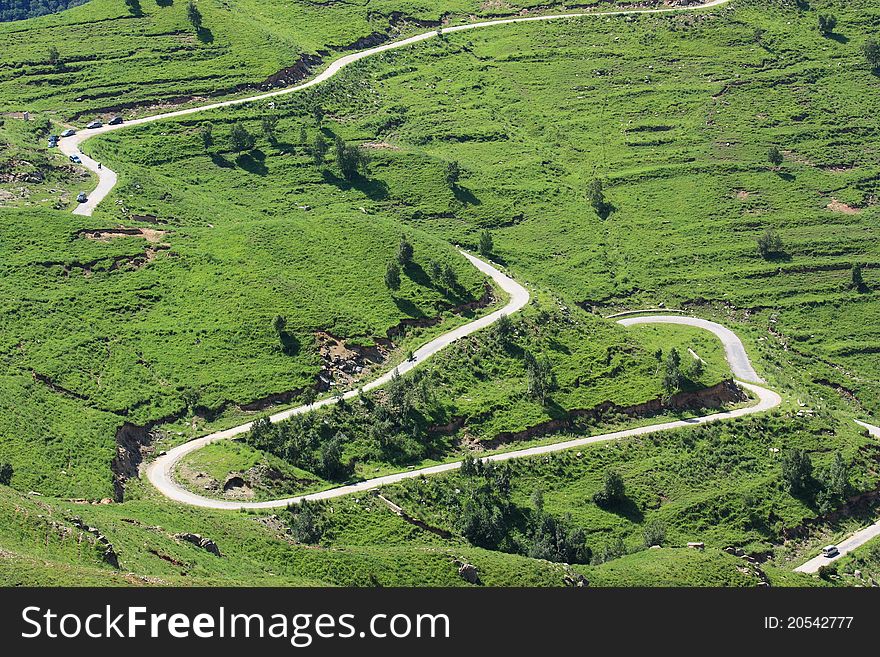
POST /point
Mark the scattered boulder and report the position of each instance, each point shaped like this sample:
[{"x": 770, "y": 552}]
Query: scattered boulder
[
  {"x": 575, "y": 580},
  {"x": 468, "y": 572},
  {"x": 200, "y": 541}
]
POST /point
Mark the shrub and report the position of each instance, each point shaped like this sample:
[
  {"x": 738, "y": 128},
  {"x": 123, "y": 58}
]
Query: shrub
[
  {"x": 827, "y": 23},
  {"x": 6, "y": 473},
  {"x": 655, "y": 533},
  {"x": 613, "y": 492},
  {"x": 392, "y": 276},
  {"x": 770, "y": 244},
  {"x": 797, "y": 471},
  {"x": 486, "y": 243}
]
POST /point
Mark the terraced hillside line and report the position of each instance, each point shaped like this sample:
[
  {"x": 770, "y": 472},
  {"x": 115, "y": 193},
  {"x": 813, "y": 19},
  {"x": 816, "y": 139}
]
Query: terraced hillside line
[
  {"x": 107, "y": 178},
  {"x": 161, "y": 471}
]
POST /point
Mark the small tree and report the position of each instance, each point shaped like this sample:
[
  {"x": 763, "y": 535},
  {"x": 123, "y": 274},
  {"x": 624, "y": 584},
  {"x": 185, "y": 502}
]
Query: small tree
[
  {"x": 134, "y": 7},
  {"x": 827, "y": 23},
  {"x": 318, "y": 115},
  {"x": 449, "y": 278},
  {"x": 613, "y": 492},
  {"x": 279, "y": 324},
  {"x": 871, "y": 50},
  {"x": 453, "y": 174},
  {"x": 503, "y": 330},
  {"x": 305, "y": 522},
  {"x": 54, "y": 56},
  {"x": 655, "y": 533},
  {"x": 541, "y": 378},
  {"x": 858, "y": 281},
  {"x": 308, "y": 396},
  {"x": 770, "y": 244},
  {"x": 193, "y": 15},
  {"x": 487, "y": 244},
  {"x": 319, "y": 149},
  {"x": 774, "y": 156},
  {"x": 672, "y": 377},
  {"x": 596, "y": 197},
  {"x": 435, "y": 270},
  {"x": 207, "y": 134},
  {"x": 696, "y": 369},
  {"x": 6, "y": 473},
  {"x": 268, "y": 124},
  {"x": 797, "y": 471},
  {"x": 350, "y": 159},
  {"x": 404, "y": 252},
  {"x": 392, "y": 276},
  {"x": 240, "y": 139}
]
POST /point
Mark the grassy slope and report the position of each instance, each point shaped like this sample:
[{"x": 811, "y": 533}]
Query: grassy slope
[
  {"x": 700, "y": 235},
  {"x": 113, "y": 58}
]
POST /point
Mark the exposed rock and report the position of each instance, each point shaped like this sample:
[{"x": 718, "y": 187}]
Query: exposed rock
[
  {"x": 575, "y": 580},
  {"x": 468, "y": 572},
  {"x": 200, "y": 541}
]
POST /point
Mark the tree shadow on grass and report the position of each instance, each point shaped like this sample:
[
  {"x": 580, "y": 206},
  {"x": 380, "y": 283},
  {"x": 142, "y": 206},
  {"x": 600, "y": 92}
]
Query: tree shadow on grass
[
  {"x": 290, "y": 344},
  {"x": 626, "y": 508},
  {"x": 840, "y": 38},
  {"x": 785, "y": 175},
  {"x": 221, "y": 161},
  {"x": 252, "y": 163},
  {"x": 375, "y": 190},
  {"x": 205, "y": 35},
  {"x": 407, "y": 307},
  {"x": 466, "y": 196}
]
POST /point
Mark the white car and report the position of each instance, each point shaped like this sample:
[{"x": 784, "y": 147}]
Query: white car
[{"x": 830, "y": 551}]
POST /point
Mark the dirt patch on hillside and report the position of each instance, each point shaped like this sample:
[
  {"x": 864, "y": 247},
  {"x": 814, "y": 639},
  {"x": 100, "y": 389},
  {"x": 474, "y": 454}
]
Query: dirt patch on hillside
[
  {"x": 838, "y": 206},
  {"x": 742, "y": 194},
  {"x": 106, "y": 234},
  {"x": 344, "y": 363},
  {"x": 380, "y": 146}
]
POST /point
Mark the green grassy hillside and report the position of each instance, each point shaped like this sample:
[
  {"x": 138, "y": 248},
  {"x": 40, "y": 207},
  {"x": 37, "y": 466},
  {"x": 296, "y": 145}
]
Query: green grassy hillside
[{"x": 158, "y": 312}]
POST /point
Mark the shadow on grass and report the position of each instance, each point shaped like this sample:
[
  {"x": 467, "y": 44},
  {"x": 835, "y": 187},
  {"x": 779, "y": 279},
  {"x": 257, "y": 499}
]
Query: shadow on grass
[
  {"x": 290, "y": 345},
  {"x": 205, "y": 35},
  {"x": 375, "y": 190},
  {"x": 221, "y": 161},
  {"x": 253, "y": 163},
  {"x": 839, "y": 38},
  {"x": 466, "y": 196},
  {"x": 407, "y": 307},
  {"x": 626, "y": 508}
]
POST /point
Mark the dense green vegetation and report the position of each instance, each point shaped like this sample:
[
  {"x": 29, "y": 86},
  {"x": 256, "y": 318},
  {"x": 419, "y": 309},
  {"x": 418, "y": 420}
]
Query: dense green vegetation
[
  {"x": 16, "y": 10},
  {"x": 696, "y": 160}
]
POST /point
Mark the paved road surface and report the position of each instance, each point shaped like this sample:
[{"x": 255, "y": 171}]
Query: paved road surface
[
  {"x": 736, "y": 354},
  {"x": 160, "y": 471},
  {"x": 107, "y": 178}
]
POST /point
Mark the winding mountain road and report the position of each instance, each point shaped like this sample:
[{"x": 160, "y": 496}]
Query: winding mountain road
[
  {"x": 107, "y": 178},
  {"x": 160, "y": 471}
]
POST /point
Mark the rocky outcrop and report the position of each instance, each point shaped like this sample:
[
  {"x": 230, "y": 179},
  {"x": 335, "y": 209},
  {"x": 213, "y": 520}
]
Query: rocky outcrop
[
  {"x": 132, "y": 444},
  {"x": 200, "y": 541},
  {"x": 102, "y": 544},
  {"x": 468, "y": 572}
]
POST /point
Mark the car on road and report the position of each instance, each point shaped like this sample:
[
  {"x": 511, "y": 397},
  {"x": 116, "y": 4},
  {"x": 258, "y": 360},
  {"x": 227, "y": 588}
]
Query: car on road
[
  {"x": 116, "y": 120},
  {"x": 70, "y": 132},
  {"x": 830, "y": 551},
  {"x": 75, "y": 159},
  {"x": 53, "y": 141},
  {"x": 81, "y": 197},
  {"x": 94, "y": 124}
]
